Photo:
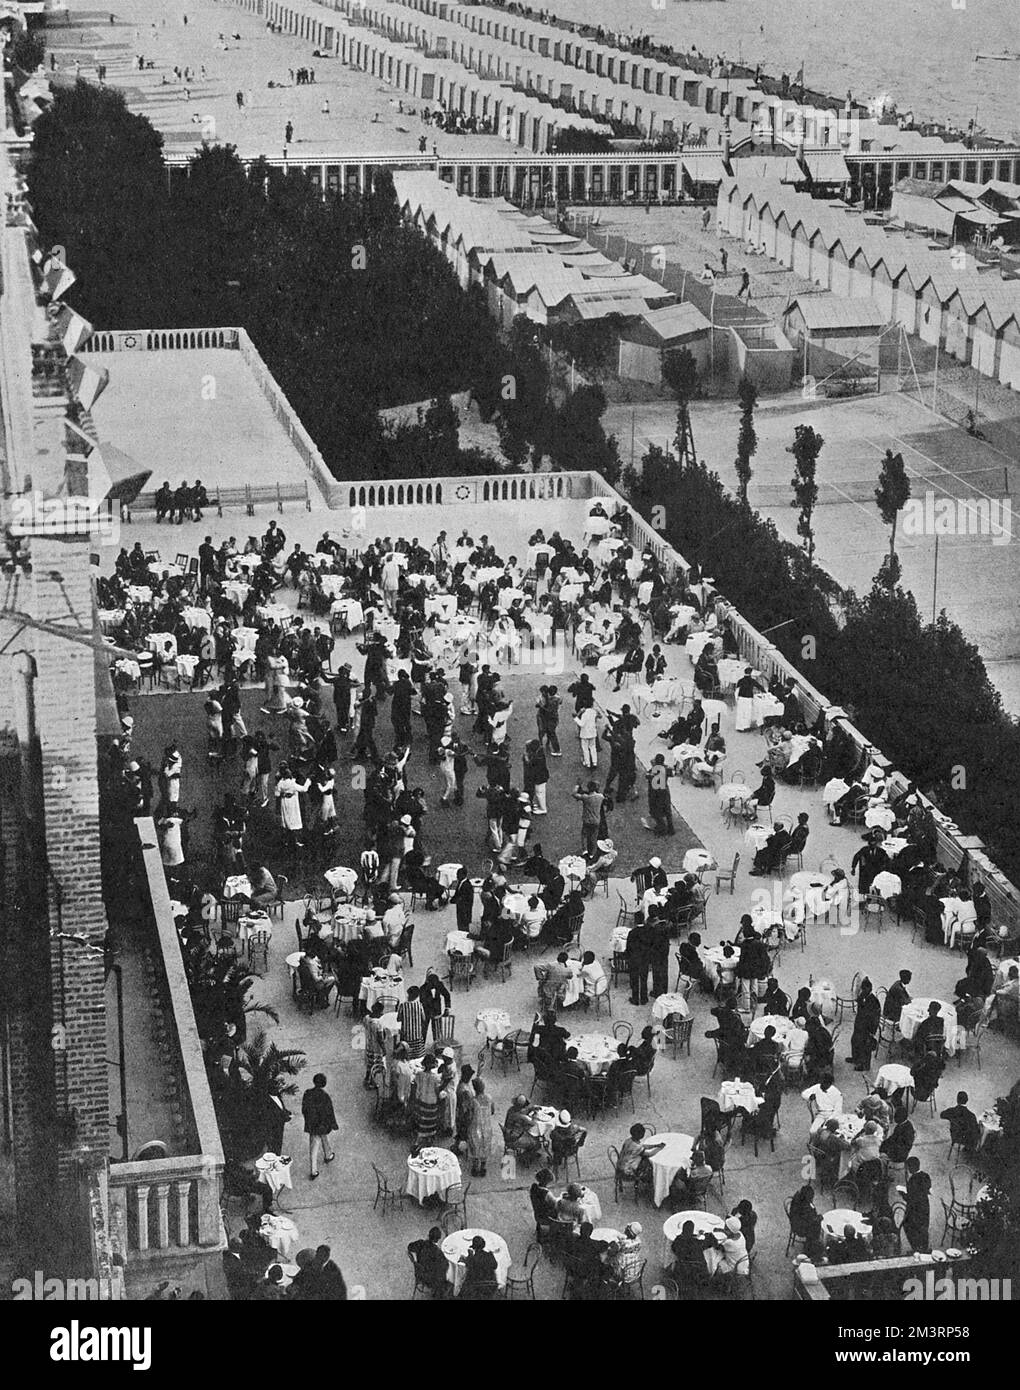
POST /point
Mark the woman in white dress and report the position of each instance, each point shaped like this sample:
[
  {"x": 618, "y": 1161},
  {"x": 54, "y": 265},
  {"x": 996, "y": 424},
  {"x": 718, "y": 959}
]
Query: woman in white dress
[
  {"x": 288, "y": 800},
  {"x": 173, "y": 766},
  {"x": 277, "y": 682}
]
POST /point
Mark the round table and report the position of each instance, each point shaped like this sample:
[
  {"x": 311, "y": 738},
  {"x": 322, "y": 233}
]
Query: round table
[
  {"x": 810, "y": 887},
  {"x": 756, "y": 837},
  {"x": 675, "y": 1154},
  {"x": 516, "y": 904},
  {"x": 459, "y": 943},
  {"x": 847, "y": 1126},
  {"x": 292, "y": 962},
  {"x": 734, "y": 791},
  {"x": 590, "y": 1203},
  {"x": 458, "y": 1243},
  {"x": 237, "y": 886},
  {"x": 447, "y": 874},
  {"x": 667, "y": 1004},
  {"x": 375, "y": 987},
  {"x": 573, "y": 866},
  {"x": 738, "y": 1095},
  {"x": 255, "y": 921},
  {"x": 697, "y": 859},
  {"x": 543, "y": 1121},
  {"x": 274, "y": 1172},
  {"x": 343, "y": 880},
  {"x": 431, "y": 1171},
  {"x": 595, "y": 1051},
  {"x": 493, "y": 1024},
  {"x": 893, "y": 1076},
  {"x": 917, "y": 1010},
  {"x": 836, "y": 1221},
  {"x": 823, "y": 995},
  {"x": 790, "y": 1038},
  {"x": 282, "y": 1235},
  {"x": 705, "y": 1223},
  {"x": 349, "y": 921},
  {"x": 893, "y": 844}
]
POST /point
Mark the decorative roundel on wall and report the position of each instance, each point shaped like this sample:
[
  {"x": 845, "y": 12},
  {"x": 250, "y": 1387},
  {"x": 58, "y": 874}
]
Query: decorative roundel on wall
[
  {"x": 462, "y": 492},
  {"x": 130, "y": 341}
]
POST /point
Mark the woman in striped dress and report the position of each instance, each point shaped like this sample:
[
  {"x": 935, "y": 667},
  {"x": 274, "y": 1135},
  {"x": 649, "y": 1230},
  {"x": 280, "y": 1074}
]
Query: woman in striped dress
[
  {"x": 425, "y": 1104},
  {"x": 412, "y": 1023}
]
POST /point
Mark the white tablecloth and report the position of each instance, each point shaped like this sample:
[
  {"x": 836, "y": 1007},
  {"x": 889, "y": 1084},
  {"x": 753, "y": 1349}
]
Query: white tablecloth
[
  {"x": 595, "y": 1051},
  {"x": 766, "y": 706},
  {"x": 590, "y": 1203},
  {"x": 341, "y": 880},
  {"x": 282, "y": 1235},
  {"x": 493, "y": 1024},
  {"x": 349, "y": 921},
  {"x": 458, "y": 1243},
  {"x": 893, "y": 1076},
  {"x": 917, "y": 1010},
  {"x": 790, "y": 1038},
  {"x": 733, "y": 791},
  {"x": 197, "y": 618},
  {"x": 186, "y": 666},
  {"x": 447, "y": 874},
  {"x": 738, "y": 1095},
  {"x": 668, "y": 1161},
  {"x": 881, "y": 817},
  {"x": 516, "y": 904},
  {"x": 237, "y": 886},
  {"x": 141, "y": 593},
  {"x": 543, "y": 1121},
  {"x": 573, "y": 866},
  {"x": 810, "y": 887},
  {"x": 431, "y": 1171},
  {"x": 756, "y": 837},
  {"x": 697, "y": 642},
  {"x": 459, "y": 943},
  {"x": 835, "y": 1222},
  {"x": 237, "y": 591},
  {"x": 892, "y": 845},
  {"x": 374, "y": 988},
  {"x": 667, "y": 1004},
  {"x": 349, "y": 609},
  {"x": 245, "y": 639},
  {"x": 696, "y": 859},
  {"x": 274, "y": 1171},
  {"x": 257, "y": 921},
  {"x": 705, "y": 1223},
  {"x": 163, "y": 644}
]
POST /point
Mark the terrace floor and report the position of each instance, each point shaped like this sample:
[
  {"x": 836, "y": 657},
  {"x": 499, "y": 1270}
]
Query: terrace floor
[{"x": 338, "y": 1208}]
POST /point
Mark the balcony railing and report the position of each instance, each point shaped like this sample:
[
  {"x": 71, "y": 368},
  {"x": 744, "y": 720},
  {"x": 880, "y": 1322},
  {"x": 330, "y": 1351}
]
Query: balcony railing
[{"x": 169, "y": 1206}]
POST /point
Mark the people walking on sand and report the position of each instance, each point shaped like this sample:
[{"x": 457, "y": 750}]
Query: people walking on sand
[
  {"x": 745, "y": 286},
  {"x": 288, "y": 133}
]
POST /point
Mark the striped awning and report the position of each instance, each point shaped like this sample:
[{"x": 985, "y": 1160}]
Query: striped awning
[
  {"x": 828, "y": 167},
  {"x": 706, "y": 169},
  {"x": 57, "y": 279},
  {"x": 87, "y": 382},
  {"x": 74, "y": 330}
]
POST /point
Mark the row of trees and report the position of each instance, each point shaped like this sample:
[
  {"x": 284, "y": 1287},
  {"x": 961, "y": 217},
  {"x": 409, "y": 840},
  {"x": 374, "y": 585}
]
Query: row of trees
[
  {"x": 919, "y": 690},
  {"x": 353, "y": 310}
]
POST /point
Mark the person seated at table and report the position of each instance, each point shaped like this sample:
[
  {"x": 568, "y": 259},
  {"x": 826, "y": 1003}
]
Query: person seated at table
[
  {"x": 980, "y": 975},
  {"x": 557, "y": 928},
  {"x": 263, "y": 886},
  {"x": 680, "y": 894},
  {"x": 765, "y": 793},
  {"x": 819, "y": 1049},
  {"x": 897, "y": 997},
  {"x": 775, "y": 1002},
  {"x": 731, "y": 1033},
  {"x": 692, "y": 967},
  {"x": 689, "y": 1268},
  {"x": 824, "y": 1095},
  {"x": 394, "y": 919},
  {"x": 480, "y": 1271},
  {"x": 1004, "y": 1003},
  {"x": 625, "y": 1256},
  {"x": 800, "y": 1012},
  {"x": 931, "y": 1031},
  {"x": 604, "y": 860},
  {"x": 566, "y": 1138},
  {"x": 766, "y": 1054},
  {"x": 543, "y": 1203},
  {"x": 806, "y": 1222},
  {"x": 773, "y": 852},
  {"x": 851, "y": 1248},
  {"x": 421, "y": 880},
  {"x": 827, "y": 1146},
  {"x": 636, "y": 1155},
  {"x": 498, "y": 931},
  {"x": 900, "y": 1140},
  {"x": 430, "y": 1264},
  {"x": 727, "y": 971},
  {"x": 570, "y": 1208},
  {"x": 926, "y": 1071},
  {"x": 876, "y": 1106},
  {"x": 594, "y": 981},
  {"x": 643, "y": 1056},
  {"x": 690, "y": 1183},
  {"x": 313, "y": 981},
  {"x": 549, "y": 1039},
  {"x": 734, "y": 1262},
  {"x": 532, "y": 920},
  {"x": 964, "y": 1127},
  {"x": 584, "y": 1260},
  {"x": 517, "y": 1128}
]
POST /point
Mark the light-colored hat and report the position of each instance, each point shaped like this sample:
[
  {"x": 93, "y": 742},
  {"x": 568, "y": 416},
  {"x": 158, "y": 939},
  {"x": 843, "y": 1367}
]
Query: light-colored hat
[
  {"x": 655, "y": 862},
  {"x": 563, "y": 1119},
  {"x": 633, "y": 1229},
  {"x": 732, "y": 1225},
  {"x": 406, "y": 820},
  {"x": 606, "y": 846}
]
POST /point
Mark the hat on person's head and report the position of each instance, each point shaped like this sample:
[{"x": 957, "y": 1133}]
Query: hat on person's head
[
  {"x": 633, "y": 1229},
  {"x": 406, "y": 820},
  {"x": 449, "y": 1054},
  {"x": 563, "y": 1119},
  {"x": 445, "y": 743},
  {"x": 732, "y": 1225},
  {"x": 655, "y": 862},
  {"x": 606, "y": 846}
]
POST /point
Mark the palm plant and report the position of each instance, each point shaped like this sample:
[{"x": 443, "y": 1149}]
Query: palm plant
[{"x": 264, "y": 1067}]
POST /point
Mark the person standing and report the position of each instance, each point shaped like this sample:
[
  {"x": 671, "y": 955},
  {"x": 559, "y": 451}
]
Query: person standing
[
  {"x": 591, "y": 800},
  {"x": 588, "y": 733},
  {"x": 640, "y": 944},
  {"x": 464, "y": 900},
  {"x": 548, "y": 716},
  {"x": 320, "y": 1122},
  {"x": 660, "y": 803},
  {"x": 536, "y": 775},
  {"x": 479, "y": 1130}
]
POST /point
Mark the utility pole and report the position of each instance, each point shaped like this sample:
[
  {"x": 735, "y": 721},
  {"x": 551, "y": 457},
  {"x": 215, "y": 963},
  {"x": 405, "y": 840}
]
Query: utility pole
[{"x": 935, "y": 579}]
